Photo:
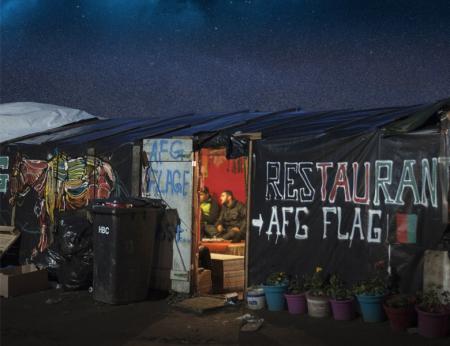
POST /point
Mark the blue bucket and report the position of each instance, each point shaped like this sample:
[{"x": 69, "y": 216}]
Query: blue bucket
[
  {"x": 372, "y": 307},
  {"x": 275, "y": 296}
]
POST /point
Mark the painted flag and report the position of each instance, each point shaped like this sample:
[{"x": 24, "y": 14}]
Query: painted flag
[{"x": 406, "y": 228}]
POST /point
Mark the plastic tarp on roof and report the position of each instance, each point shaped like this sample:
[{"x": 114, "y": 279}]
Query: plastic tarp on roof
[
  {"x": 222, "y": 129},
  {"x": 24, "y": 118}
]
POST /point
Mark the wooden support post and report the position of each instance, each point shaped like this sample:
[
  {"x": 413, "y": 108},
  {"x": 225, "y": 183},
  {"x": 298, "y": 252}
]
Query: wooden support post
[
  {"x": 195, "y": 222},
  {"x": 136, "y": 170},
  {"x": 249, "y": 208}
]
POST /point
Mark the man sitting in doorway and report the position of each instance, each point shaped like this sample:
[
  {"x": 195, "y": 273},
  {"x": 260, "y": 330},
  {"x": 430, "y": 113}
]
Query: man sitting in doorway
[
  {"x": 231, "y": 224},
  {"x": 209, "y": 213}
]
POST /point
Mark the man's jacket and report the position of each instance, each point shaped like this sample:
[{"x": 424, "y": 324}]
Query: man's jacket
[
  {"x": 233, "y": 216},
  {"x": 210, "y": 211}
]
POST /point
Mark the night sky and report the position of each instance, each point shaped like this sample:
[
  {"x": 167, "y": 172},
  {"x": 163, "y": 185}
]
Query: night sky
[{"x": 148, "y": 57}]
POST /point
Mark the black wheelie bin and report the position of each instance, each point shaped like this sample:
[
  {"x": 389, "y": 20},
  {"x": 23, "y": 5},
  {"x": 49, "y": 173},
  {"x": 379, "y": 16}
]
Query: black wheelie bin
[{"x": 124, "y": 237}]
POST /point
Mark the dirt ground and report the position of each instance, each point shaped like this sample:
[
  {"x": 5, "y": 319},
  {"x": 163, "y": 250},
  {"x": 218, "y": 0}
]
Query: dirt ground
[{"x": 54, "y": 317}]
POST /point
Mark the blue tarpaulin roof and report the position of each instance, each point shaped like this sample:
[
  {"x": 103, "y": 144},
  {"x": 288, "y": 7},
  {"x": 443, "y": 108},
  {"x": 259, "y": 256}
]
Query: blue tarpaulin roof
[{"x": 292, "y": 123}]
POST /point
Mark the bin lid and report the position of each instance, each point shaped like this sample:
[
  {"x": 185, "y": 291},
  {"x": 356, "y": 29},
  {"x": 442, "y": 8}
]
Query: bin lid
[
  {"x": 123, "y": 205},
  {"x": 117, "y": 204}
]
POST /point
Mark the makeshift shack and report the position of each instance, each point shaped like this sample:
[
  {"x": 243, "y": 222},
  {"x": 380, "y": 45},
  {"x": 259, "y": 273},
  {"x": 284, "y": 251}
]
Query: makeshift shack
[{"x": 342, "y": 190}]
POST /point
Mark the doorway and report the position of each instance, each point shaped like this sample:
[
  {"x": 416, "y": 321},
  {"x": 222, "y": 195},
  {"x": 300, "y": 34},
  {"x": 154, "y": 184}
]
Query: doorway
[{"x": 225, "y": 271}]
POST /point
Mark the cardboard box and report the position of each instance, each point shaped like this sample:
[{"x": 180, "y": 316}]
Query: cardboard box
[{"x": 21, "y": 280}]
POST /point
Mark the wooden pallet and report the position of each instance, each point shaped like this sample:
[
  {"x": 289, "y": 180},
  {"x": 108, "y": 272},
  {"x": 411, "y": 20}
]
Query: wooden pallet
[
  {"x": 204, "y": 281},
  {"x": 236, "y": 249},
  {"x": 227, "y": 272}
]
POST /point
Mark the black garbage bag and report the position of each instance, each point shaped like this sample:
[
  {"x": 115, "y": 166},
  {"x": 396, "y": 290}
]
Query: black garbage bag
[
  {"x": 69, "y": 259},
  {"x": 74, "y": 234},
  {"x": 50, "y": 259},
  {"x": 76, "y": 273}
]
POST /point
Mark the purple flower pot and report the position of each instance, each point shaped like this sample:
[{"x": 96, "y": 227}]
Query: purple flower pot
[
  {"x": 296, "y": 303},
  {"x": 433, "y": 325},
  {"x": 343, "y": 310}
]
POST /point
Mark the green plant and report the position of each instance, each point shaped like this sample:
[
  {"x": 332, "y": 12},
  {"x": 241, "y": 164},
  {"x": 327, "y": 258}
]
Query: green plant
[
  {"x": 337, "y": 290},
  {"x": 296, "y": 286},
  {"x": 370, "y": 287},
  {"x": 277, "y": 278},
  {"x": 316, "y": 283},
  {"x": 400, "y": 301},
  {"x": 376, "y": 285},
  {"x": 434, "y": 299}
]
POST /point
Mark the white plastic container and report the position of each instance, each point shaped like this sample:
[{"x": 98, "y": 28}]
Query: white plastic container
[
  {"x": 256, "y": 299},
  {"x": 318, "y": 306},
  {"x": 436, "y": 269}
]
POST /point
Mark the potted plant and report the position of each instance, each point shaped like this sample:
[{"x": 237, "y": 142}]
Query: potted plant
[
  {"x": 274, "y": 288},
  {"x": 433, "y": 310},
  {"x": 370, "y": 295},
  {"x": 341, "y": 299},
  {"x": 400, "y": 311},
  {"x": 316, "y": 296},
  {"x": 295, "y": 297}
]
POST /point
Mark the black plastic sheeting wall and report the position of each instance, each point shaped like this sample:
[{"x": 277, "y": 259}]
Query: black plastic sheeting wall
[
  {"x": 309, "y": 210},
  {"x": 69, "y": 258}
]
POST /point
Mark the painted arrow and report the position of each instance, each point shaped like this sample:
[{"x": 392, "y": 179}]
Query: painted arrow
[{"x": 258, "y": 223}]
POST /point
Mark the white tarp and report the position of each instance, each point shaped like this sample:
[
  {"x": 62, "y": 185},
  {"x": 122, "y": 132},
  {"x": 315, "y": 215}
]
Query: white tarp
[{"x": 23, "y": 118}]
